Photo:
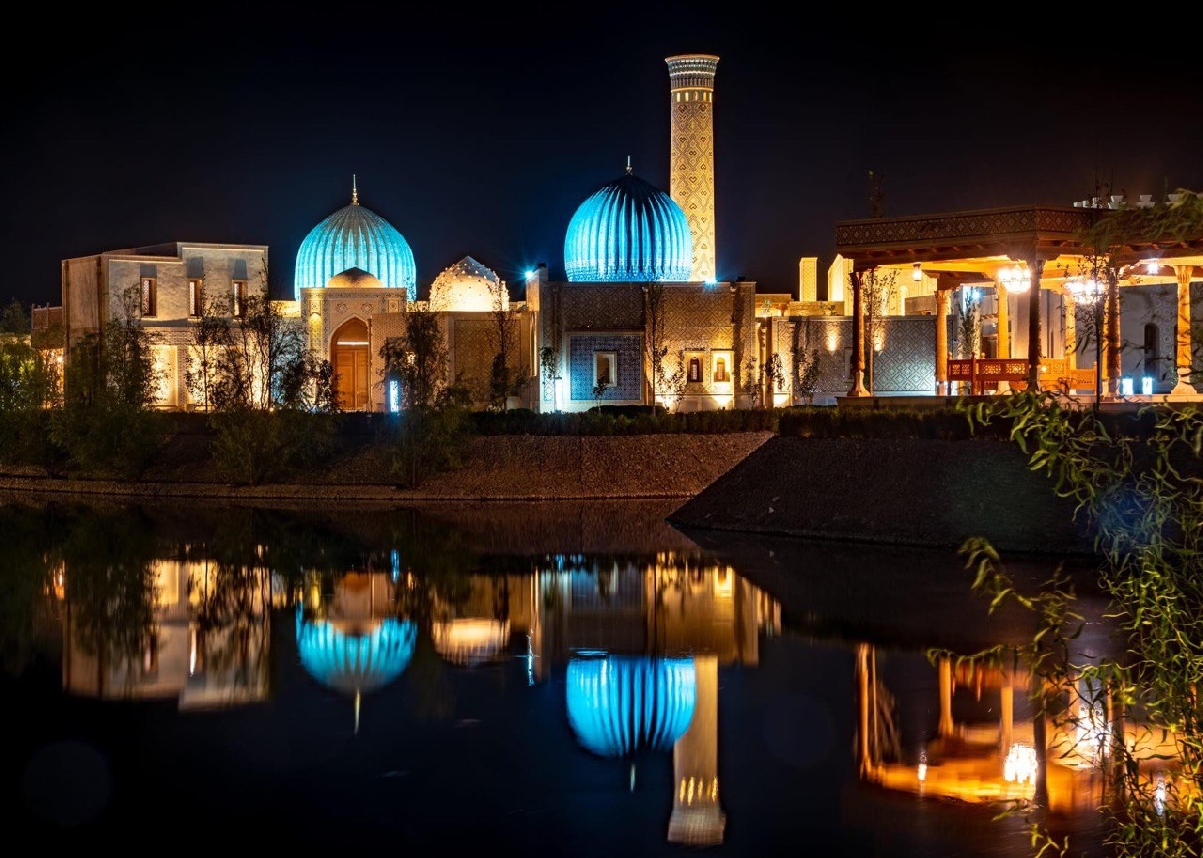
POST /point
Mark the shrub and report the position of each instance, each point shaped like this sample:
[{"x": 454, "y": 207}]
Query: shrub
[
  {"x": 427, "y": 441},
  {"x": 252, "y": 446}
]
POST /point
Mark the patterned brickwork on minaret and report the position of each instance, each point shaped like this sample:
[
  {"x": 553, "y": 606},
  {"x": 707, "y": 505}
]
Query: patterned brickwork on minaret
[{"x": 691, "y": 174}]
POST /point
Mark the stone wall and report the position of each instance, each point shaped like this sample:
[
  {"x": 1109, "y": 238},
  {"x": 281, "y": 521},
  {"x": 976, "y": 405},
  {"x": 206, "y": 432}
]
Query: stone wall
[{"x": 901, "y": 491}]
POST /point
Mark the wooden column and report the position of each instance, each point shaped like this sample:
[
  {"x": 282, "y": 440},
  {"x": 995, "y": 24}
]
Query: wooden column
[
  {"x": 1071, "y": 330},
  {"x": 941, "y": 342},
  {"x": 1004, "y": 329},
  {"x": 1004, "y": 321},
  {"x": 863, "y": 750},
  {"x": 945, "y": 726},
  {"x": 1036, "y": 267},
  {"x": 1111, "y": 329},
  {"x": 858, "y": 337},
  {"x": 1182, "y": 356}
]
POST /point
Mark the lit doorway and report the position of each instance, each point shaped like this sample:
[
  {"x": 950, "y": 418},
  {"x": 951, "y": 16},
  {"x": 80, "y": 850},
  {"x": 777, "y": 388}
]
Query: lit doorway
[{"x": 349, "y": 351}]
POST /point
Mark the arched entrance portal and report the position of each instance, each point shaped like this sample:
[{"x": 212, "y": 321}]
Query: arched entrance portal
[{"x": 349, "y": 353}]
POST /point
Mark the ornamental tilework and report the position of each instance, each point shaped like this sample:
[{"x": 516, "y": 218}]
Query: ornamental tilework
[
  {"x": 605, "y": 307},
  {"x": 581, "y": 351},
  {"x": 692, "y": 179},
  {"x": 907, "y": 361},
  {"x": 905, "y": 365},
  {"x": 473, "y": 345}
]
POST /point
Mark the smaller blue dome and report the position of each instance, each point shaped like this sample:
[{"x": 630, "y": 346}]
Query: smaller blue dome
[
  {"x": 628, "y": 230},
  {"x": 356, "y": 663},
  {"x": 355, "y": 237}
]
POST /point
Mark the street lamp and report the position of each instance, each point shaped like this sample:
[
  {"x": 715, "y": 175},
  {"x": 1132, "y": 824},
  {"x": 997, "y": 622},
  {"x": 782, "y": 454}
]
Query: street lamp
[{"x": 1089, "y": 291}]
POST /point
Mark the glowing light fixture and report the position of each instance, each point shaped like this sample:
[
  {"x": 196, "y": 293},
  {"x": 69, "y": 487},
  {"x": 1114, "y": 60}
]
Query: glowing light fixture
[
  {"x": 1015, "y": 279},
  {"x": 917, "y": 272},
  {"x": 1085, "y": 289}
]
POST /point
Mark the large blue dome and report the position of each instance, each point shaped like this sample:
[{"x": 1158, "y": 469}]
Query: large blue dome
[
  {"x": 628, "y": 230},
  {"x": 620, "y": 706},
  {"x": 356, "y": 237}
]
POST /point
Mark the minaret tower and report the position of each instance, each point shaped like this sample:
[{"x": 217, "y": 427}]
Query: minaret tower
[{"x": 691, "y": 182}]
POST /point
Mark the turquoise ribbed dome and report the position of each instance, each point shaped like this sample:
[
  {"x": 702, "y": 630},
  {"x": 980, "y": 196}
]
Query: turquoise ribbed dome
[
  {"x": 628, "y": 230},
  {"x": 621, "y": 706},
  {"x": 356, "y": 663},
  {"x": 356, "y": 237}
]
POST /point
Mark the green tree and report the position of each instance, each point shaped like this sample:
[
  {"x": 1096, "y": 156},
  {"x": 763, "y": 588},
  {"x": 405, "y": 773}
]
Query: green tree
[
  {"x": 752, "y": 382},
  {"x": 505, "y": 379},
  {"x": 599, "y": 391},
  {"x": 432, "y": 430},
  {"x": 14, "y": 319},
  {"x": 1138, "y": 485},
  {"x": 807, "y": 364},
  {"x": 548, "y": 362},
  {"x": 29, "y": 393},
  {"x": 211, "y": 337},
  {"x": 655, "y": 332},
  {"x": 676, "y": 381},
  {"x": 879, "y": 288},
  {"x": 107, "y": 424},
  {"x": 273, "y": 399}
]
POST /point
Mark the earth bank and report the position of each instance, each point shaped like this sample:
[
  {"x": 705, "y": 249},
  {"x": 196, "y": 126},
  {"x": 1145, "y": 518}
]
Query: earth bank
[{"x": 900, "y": 491}]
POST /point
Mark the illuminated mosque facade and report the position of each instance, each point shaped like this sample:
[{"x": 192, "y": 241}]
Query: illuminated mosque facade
[
  {"x": 631, "y": 251},
  {"x": 640, "y": 264},
  {"x": 641, "y": 279}
]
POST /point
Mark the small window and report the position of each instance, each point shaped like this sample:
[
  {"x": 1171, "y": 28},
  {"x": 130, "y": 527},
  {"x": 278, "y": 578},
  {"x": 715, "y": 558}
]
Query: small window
[
  {"x": 196, "y": 298},
  {"x": 148, "y": 297},
  {"x": 239, "y": 298},
  {"x": 605, "y": 369},
  {"x": 695, "y": 369},
  {"x": 722, "y": 364}
]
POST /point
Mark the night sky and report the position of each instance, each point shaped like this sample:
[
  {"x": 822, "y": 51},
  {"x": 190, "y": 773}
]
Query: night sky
[{"x": 479, "y": 135}]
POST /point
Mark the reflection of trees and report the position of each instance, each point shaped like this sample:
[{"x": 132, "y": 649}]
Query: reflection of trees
[
  {"x": 26, "y": 587},
  {"x": 229, "y": 611},
  {"x": 109, "y": 585}
]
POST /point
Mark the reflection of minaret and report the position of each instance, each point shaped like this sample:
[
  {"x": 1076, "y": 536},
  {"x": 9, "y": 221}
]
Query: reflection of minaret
[
  {"x": 697, "y": 817},
  {"x": 691, "y": 176}
]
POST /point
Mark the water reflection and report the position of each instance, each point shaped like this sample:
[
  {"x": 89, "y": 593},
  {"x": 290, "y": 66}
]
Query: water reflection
[{"x": 639, "y": 674}]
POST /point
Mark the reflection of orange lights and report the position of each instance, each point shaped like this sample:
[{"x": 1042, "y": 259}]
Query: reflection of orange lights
[
  {"x": 724, "y": 581},
  {"x": 690, "y": 790},
  {"x": 1020, "y": 765}
]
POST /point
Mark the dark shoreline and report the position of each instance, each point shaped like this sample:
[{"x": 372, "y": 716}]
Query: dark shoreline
[{"x": 885, "y": 491}]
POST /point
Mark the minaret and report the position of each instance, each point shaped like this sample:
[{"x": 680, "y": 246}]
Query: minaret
[{"x": 691, "y": 182}]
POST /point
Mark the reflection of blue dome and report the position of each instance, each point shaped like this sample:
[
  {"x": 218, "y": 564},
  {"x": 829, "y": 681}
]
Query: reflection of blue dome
[
  {"x": 356, "y": 237},
  {"x": 356, "y": 663},
  {"x": 620, "y": 705},
  {"x": 628, "y": 231}
]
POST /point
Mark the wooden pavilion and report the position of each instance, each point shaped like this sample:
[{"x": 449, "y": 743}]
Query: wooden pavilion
[{"x": 1031, "y": 250}]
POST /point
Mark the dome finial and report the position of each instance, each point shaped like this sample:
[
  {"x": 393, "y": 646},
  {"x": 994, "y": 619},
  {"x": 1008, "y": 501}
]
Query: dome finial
[
  {"x": 628, "y": 165},
  {"x": 354, "y": 190}
]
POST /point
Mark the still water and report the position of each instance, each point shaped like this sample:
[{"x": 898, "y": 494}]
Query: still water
[{"x": 559, "y": 679}]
